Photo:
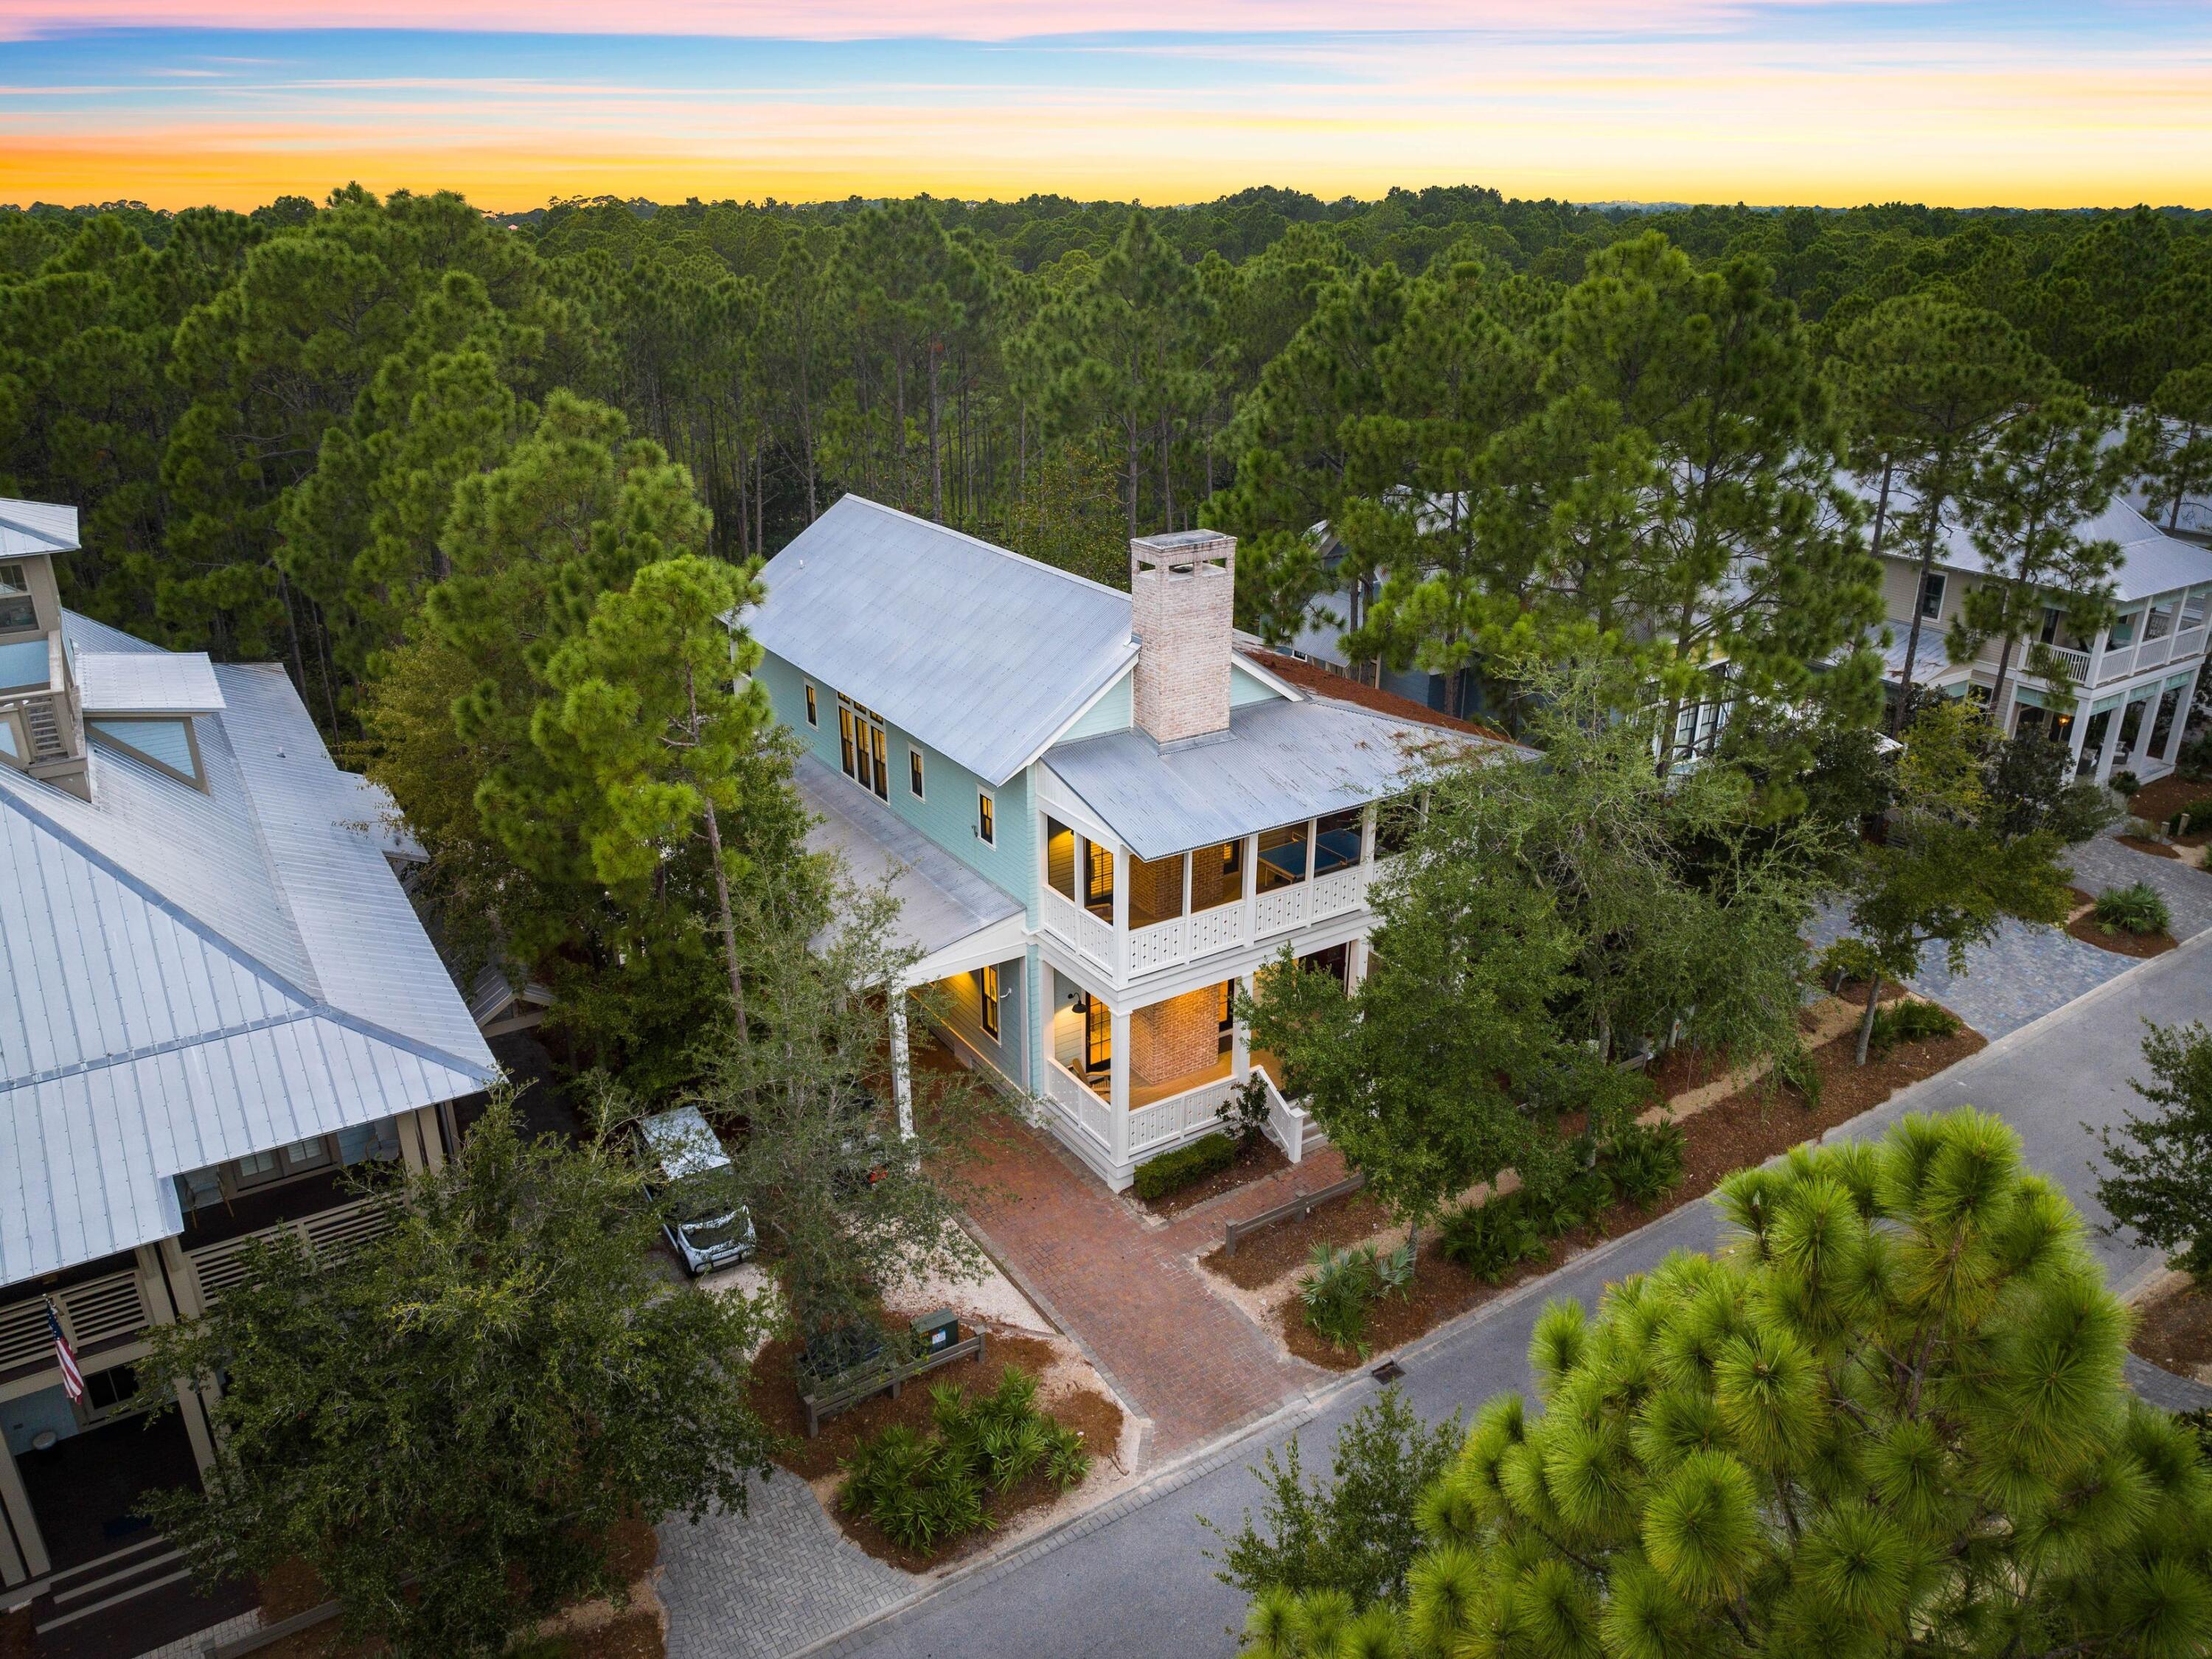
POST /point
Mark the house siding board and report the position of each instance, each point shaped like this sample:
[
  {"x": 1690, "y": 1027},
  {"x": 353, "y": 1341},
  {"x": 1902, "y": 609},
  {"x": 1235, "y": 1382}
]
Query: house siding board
[
  {"x": 947, "y": 813},
  {"x": 963, "y": 1012},
  {"x": 1246, "y": 687},
  {"x": 1110, "y": 714}
]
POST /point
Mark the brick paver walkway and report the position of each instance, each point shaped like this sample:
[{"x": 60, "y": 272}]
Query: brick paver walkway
[{"x": 1126, "y": 1288}]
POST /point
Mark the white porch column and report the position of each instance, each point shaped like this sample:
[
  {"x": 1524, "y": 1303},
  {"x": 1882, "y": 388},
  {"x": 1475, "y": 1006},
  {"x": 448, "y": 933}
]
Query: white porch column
[
  {"x": 1355, "y": 967},
  {"x": 154, "y": 1282},
  {"x": 1120, "y": 917},
  {"x": 1117, "y": 1096},
  {"x": 901, "y": 1064},
  {"x": 1251, "y": 863}
]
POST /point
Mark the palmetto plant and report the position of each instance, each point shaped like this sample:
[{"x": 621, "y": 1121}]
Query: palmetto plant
[
  {"x": 1889, "y": 1420},
  {"x": 2135, "y": 909}
]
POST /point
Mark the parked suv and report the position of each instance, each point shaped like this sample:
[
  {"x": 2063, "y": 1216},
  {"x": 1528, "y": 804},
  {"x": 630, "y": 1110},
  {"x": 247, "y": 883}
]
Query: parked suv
[{"x": 705, "y": 1226}]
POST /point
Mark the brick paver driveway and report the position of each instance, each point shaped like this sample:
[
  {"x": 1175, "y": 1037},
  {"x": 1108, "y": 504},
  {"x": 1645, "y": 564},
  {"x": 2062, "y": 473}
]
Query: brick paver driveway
[{"x": 1126, "y": 1288}]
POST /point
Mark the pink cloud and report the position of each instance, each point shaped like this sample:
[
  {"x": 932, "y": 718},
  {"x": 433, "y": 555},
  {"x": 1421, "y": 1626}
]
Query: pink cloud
[{"x": 976, "y": 19}]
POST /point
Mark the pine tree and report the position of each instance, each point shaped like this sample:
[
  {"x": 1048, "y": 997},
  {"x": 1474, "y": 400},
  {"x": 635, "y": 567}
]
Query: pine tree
[{"x": 1887, "y": 1422}]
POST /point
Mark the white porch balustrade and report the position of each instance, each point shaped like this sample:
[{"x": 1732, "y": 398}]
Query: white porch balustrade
[{"x": 1077, "y": 1104}]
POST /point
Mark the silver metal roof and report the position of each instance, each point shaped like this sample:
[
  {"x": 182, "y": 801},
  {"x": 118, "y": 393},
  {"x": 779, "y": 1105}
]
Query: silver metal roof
[
  {"x": 941, "y": 900},
  {"x": 2151, "y": 561},
  {"x": 147, "y": 682},
  {"x": 983, "y": 654},
  {"x": 1279, "y": 763},
  {"x": 30, "y": 528},
  {"x": 186, "y": 977}
]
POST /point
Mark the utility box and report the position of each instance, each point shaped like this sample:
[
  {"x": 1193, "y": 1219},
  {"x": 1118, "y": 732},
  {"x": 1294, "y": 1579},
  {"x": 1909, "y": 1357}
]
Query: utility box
[{"x": 937, "y": 1331}]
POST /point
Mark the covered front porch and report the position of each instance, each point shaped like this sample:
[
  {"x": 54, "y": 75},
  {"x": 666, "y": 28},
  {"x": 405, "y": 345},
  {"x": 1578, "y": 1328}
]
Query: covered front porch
[{"x": 1123, "y": 1084}]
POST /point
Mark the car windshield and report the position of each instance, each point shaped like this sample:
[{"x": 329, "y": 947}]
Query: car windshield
[
  {"x": 710, "y": 1196},
  {"x": 707, "y": 1231}
]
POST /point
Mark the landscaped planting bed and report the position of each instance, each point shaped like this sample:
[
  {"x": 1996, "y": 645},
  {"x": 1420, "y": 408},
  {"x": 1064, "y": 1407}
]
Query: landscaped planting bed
[
  {"x": 2174, "y": 1328},
  {"x": 1746, "y": 1129},
  {"x": 821, "y": 1460},
  {"x": 1245, "y": 1164},
  {"x": 2119, "y": 940}
]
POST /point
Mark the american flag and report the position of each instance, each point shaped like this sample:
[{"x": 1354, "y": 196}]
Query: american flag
[{"x": 65, "y": 1357}]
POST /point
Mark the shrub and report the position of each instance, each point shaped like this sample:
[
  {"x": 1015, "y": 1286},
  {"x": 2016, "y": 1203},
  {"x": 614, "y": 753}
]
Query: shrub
[
  {"x": 1577, "y": 1192},
  {"x": 1337, "y": 1288},
  {"x": 1244, "y": 1116},
  {"x": 1172, "y": 1172},
  {"x": 927, "y": 1492},
  {"x": 1909, "y": 1021},
  {"x": 2142, "y": 829},
  {"x": 2126, "y": 783},
  {"x": 1489, "y": 1240},
  {"x": 2137, "y": 908},
  {"x": 1646, "y": 1161},
  {"x": 2193, "y": 818},
  {"x": 2194, "y": 759}
]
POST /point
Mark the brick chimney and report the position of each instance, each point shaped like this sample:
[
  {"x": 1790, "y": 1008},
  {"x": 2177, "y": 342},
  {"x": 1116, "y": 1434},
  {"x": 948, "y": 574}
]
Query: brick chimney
[{"x": 1183, "y": 589}]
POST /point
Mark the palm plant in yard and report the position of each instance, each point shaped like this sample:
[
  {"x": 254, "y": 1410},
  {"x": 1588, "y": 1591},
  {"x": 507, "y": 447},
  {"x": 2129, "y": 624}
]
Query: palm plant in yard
[{"x": 2136, "y": 908}]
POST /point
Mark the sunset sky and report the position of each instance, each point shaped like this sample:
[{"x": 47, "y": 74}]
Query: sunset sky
[{"x": 2029, "y": 103}]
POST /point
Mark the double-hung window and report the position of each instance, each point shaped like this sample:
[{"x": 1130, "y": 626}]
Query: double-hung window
[
  {"x": 862, "y": 748},
  {"x": 913, "y": 773},
  {"x": 1931, "y": 595},
  {"x": 987, "y": 818},
  {"x": 813, "y": 713},
  {"x": 986, "y": 982}
]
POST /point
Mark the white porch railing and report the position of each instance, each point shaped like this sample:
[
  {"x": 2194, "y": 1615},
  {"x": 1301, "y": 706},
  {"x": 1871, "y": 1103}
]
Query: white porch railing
[
  {"x": 1280, "y": 908},
  {"x": 1077, "y": 1103},
  {"x": 1290, "y": 1126},
  {"x": 1160, "y": 946},
  {"x": 1179, "y": 1117},
  {"x": 1220, "y": 928},
  {"x": 97, "y": 1309},
  {"x": 2077, "y": 662},
  {"x": 1338, "y": 890},
  {"x": 329, "y": 1235}
]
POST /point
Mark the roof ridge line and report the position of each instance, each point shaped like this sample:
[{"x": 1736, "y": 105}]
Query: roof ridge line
[
  {"x": 149, "y": 1051},
  {"x": 989, "y": 547},
  {"x": 314, "y": 1004}
]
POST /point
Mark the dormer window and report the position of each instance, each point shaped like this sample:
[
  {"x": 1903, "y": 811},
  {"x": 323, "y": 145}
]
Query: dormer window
[
  {"x": 17, "y": 609},
  {"x": 167, "y": 745}
]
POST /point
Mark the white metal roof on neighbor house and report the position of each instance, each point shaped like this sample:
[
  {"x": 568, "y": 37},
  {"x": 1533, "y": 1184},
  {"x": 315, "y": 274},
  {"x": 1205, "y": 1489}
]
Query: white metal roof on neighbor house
[
  {"x": 983, "y": 654},
  {"x": 1279, "y": 763},
  {"x": 185, "y": 977},
  {"x": 147, "y": 682},
  {"x": 942, "y": 901},
  {"x": 2151, "y": 561},
  {"x": 28, "y": 528}
]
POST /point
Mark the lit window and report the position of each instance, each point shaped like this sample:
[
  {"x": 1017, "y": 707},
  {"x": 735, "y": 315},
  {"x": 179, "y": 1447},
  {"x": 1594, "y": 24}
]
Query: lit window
[
  {"x": 813, "y": 713},
  {"x": 986, "y": 819},
  {"x": 987, "y": 979},
  {"x": 861, "y": 747},
  {"x": 913, "y": 772}
]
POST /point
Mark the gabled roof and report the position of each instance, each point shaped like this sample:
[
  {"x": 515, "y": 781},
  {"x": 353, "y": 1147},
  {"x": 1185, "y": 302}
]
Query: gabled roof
[
  {"x": 1278, "y": 762},
  {"x": 30, "y": 528},
  {"x": 984, "y": 655},
  {"x": 2151, "y": 561},
  {"x": 188, "y": 976}
]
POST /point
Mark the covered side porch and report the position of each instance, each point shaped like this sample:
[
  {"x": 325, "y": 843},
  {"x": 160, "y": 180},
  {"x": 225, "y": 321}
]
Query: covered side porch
[{"x": 1124, "y": 1084}]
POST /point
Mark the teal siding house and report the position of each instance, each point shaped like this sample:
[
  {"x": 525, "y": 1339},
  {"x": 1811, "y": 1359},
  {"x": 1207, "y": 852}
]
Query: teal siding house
[{"x": 1101, "y": 812}]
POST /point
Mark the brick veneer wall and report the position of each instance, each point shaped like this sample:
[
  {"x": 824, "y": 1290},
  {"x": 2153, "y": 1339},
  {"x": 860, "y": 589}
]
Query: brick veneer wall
[
  {"x": 1183, "y": 619},
  {"x": 1169, "y": 1038},
  {"x": 1155, "y": 889}
]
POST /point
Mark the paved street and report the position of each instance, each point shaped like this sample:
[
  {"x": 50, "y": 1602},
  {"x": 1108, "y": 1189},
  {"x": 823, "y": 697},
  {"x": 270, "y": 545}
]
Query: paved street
[{"x": 1131, "y": 1579}]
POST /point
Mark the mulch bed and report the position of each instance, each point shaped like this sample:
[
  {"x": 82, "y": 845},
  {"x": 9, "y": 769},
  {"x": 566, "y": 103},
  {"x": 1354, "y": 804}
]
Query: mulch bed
[
  {"x": 1097, "y": 1419},
  {"x": 16, "y": 1639},
  {"x": 2174, "y": 1330},
  {"x": 1266, "y": 1256},
  {"x": 2119, "y": 941},
  {"x": 775, "y": 1398},
  {"x": 1745, "y": 1129},
  {"x": 632, "y": 1636},
  {"x": 1251, "y": 1163},
  {"x": 2160, "y": 801},
  {"x": 2157, "y": 849}
]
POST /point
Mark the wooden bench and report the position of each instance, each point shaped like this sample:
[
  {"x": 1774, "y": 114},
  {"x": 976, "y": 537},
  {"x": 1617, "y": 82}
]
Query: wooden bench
[
  {"x": 1299, "y": 1207},
  {"x": 853, "y": 1388}
]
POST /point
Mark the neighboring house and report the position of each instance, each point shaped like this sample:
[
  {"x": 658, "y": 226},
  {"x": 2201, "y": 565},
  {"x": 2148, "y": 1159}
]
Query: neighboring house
[
  {"x": 2133, "y": 682},
  {"x": 1103, "y": 811},
  {"x": 214, "y": 1002}
]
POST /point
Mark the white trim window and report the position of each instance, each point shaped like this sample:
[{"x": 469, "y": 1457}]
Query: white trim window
[
  {"x": 913, "y": 773},
  {"x": 862, "y": 747},
  {"x": 987, "y": 818},
  {"x": 813, "y": 709},
  {"x": 1931, "y": 595}
]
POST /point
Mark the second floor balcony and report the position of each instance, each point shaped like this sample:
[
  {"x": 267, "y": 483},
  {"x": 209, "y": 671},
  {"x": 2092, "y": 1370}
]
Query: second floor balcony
[{"x": 1132, "y": 917}]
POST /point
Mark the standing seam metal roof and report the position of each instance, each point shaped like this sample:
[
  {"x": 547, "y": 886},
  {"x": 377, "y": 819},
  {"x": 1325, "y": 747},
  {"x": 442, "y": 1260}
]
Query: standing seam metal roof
[
  {"x": 982, "y": 653},
  {"x": 186, "y": 977}
]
